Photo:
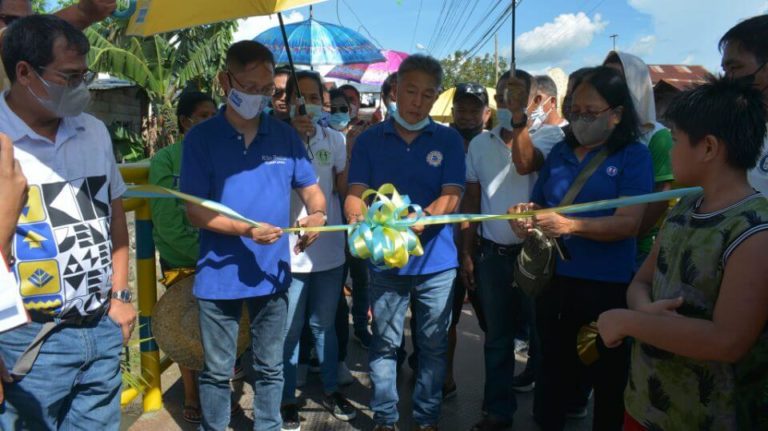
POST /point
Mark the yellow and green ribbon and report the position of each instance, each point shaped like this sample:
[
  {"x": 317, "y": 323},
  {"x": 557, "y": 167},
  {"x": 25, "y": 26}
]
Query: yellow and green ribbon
[{"x": 385, "y": 234}]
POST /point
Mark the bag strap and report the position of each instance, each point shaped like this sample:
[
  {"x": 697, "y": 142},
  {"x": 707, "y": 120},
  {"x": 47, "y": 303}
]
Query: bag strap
[{"x": 583, "y": 176}]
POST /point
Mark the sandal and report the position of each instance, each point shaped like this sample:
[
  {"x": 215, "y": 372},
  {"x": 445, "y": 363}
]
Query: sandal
[{"x": 192, "y": 414}]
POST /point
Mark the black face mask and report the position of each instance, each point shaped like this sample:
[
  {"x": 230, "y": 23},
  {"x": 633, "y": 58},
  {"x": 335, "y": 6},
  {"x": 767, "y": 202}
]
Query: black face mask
[
  {"x": 749, "y": 80},
  {"x": 468, "y": 134}
]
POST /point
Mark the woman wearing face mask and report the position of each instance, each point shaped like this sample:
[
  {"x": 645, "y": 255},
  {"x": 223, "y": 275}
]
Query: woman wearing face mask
[
  {"x": 601, "y": 245},
  {"x": 175, "y": 237}
]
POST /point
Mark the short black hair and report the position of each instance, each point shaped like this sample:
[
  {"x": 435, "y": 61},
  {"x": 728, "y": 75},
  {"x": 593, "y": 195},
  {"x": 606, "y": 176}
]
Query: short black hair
[
  {"x": 283, "y": 70},
  {"x": 290, "y": 88},
  {"x": 576, "y": 76},
  {"x": 246, "y": 52},
  {"x": 546, "y": 85},
  {"x": 350, "y": 87},
  {"x": 188, "y": 102},
  {"x": 31, "y": 39},
  {"x": 422, "y": 63},
  {"x": 388, "y": 84},
  {"x": 730, "y": 110},
  {"x": 519, "y": 74},
  {"x": 610, "y": 85},
  {"x": 751, "y": 35},
  {"x": 338, "y": 93}
]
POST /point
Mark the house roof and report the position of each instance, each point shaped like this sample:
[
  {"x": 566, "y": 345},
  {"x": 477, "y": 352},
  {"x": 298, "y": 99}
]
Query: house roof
[{"x": 679, "y": 76}]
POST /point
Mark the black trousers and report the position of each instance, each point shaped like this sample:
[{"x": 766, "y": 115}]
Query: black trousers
[{"x": 561, "y": 310}]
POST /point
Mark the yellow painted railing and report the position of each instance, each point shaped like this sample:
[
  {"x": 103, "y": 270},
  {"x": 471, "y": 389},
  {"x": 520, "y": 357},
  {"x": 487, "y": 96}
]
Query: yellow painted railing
[{"x": 146, "y": 281}]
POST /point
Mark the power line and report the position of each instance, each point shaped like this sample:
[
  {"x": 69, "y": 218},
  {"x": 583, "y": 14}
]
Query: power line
[
  {"x": 418, "y": 16},
  {"x": 380, "y": 46}
]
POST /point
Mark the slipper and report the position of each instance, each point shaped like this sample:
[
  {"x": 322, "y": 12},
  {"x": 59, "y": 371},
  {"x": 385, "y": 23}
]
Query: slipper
[{"x": 192, "y": 414}]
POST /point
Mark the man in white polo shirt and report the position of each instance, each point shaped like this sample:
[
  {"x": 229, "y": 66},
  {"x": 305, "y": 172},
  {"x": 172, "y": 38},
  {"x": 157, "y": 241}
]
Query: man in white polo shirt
[
  {"x": 71, "y": 242},
  {"x": 500, "y": 169}
]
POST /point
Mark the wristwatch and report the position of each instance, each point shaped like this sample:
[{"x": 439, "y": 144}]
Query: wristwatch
[
  {"x": 523, "y": 122},
  {"x": 325, "y": 216},
  {"x": 124, "y": 295}
]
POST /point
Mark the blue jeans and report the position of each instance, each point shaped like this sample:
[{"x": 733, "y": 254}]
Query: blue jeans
[
  {"x": 493, "y": 273},
  {"x": 74, "y": 383},
  {"x": 313, "y": 296},
  {"x": 219, "y": 322},
  {"x": 433, "y": 299}
]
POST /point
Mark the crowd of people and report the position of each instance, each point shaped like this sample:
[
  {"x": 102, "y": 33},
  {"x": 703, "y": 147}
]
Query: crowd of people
[{"x": 676, "y": 298}]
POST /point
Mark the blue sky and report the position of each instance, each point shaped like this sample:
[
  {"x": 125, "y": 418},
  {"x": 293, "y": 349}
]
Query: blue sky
[{"x": 550, "y": 33}]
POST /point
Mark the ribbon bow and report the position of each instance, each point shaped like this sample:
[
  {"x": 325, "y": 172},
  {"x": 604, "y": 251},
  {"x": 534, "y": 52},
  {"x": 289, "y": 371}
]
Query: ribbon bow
[{"x": 385, "y": 235}]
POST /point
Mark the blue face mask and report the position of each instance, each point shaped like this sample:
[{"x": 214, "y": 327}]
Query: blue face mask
[
  {"x": 314, "y": 111},
  {"x": 408, "y": 126},
  {"x": 339, "y": 120},
  {"x": 505, "y": 118},
  {"x": 391, "y": 108}
]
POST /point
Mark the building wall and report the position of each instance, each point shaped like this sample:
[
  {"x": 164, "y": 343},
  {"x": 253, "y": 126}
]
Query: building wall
[{"x": 125, "y": 105}]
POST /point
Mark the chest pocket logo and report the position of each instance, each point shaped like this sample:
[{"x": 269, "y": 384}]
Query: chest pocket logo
[
  {"x": 435, "y": 158},
  {"x": 323, "y": 157}
]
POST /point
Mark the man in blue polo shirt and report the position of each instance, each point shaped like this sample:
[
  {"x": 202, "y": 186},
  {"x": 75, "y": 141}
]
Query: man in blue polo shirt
[
  {"x": 426, "y": 162},
  {"x": 250, "y": 162}
]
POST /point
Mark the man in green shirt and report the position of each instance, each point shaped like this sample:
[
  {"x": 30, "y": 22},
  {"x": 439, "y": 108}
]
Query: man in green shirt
[{"x": 175, "y": 237}]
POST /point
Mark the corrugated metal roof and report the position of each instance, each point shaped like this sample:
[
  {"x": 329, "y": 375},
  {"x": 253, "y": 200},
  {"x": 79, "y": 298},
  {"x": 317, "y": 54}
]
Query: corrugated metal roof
[
  {"x": 680, "y": 76},
  {"x": 110, "y": 83}
]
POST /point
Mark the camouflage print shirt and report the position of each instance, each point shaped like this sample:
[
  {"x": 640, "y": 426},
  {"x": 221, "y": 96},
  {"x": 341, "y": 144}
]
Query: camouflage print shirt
[{"x": 673, "y": 392}]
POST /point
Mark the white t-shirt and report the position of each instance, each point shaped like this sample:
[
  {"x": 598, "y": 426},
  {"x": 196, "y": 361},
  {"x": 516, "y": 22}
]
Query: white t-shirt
[
  {"x": 62, "y": 244},
  {"x": 328, "y": 147},
  {"x": 758, "y": 177},
  {"x": 489, "y": 162}
]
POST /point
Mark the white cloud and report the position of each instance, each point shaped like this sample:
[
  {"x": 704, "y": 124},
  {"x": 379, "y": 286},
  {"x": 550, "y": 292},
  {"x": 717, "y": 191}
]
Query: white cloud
[
  {"x": 688, "y": 59},
  {"x": 643, "y": 46},
  {"x": 690, "y": 29},
  {"x": 551, "y": 42},
  {"x": 421, "y": 47},
  {"x": 250, "y": 27}
]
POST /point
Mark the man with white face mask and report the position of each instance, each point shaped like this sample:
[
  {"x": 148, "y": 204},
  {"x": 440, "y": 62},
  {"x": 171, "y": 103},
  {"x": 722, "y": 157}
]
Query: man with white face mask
[
  {"x": 251, "y": 162},
  {"x": 71, "y": 243}
]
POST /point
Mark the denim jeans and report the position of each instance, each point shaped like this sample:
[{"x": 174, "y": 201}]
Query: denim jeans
[
  {"x": 219, "y": 322},
  {"x": 313, "y": 296},
  {"x": 74, "y": 383},
  {"x": 432, "y": 302},
  {"x": 493, "y": 273}
]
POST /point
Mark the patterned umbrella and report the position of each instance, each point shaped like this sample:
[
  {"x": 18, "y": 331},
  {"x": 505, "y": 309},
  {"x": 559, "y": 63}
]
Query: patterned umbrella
[
  {"x": 315, "y": 43},
  {"x": 373, "y": 73}
]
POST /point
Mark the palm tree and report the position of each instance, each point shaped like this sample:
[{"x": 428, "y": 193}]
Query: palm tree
[{"x": 162, "y": 65}]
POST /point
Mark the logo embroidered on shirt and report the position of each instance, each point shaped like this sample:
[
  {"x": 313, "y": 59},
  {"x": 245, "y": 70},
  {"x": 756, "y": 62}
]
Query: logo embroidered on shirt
[
  {"x": 274, "y": 160},
  {"x": 435, "y": 158},
  {"x": 612, "y": 171},
  {"x": 323, "y": 157}
]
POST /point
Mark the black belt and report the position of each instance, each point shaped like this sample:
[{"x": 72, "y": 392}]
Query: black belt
[
  {"x": 75, "y": 320},
  {"x": 501, "y": 250}
]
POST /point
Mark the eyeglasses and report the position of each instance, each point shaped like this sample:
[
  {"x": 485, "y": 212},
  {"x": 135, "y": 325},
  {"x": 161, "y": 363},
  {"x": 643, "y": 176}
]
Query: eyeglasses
[
  {"x": 342, "y": 109},
  {"x": 8, "y": 19},
  {"x": 278, "y": 93},
  {"x": 587, "y": 117},
  {"x": 268, "y": 91},
  {"x": 73, "y": 79}
]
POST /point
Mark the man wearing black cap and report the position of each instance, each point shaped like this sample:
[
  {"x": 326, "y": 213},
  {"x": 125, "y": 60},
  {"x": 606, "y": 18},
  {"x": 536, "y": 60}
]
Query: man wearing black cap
[{"x": 470, "y": 110}]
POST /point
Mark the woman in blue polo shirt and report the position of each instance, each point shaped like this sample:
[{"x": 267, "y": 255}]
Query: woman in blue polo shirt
[{"x": 601, "y": 245}]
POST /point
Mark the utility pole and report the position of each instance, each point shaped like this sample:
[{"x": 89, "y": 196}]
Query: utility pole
[
  {"x": 614, "y": 37},
  {"x": 496, "y": 57},
  {"x": 512, "y": 64}
]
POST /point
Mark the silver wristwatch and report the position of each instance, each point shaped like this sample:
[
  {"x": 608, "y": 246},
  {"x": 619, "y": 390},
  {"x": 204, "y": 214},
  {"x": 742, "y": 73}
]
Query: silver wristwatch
[{"x": 124, "y": 295}]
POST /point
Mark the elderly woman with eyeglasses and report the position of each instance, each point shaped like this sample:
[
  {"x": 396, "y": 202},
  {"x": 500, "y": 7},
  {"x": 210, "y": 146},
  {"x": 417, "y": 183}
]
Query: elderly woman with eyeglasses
[{"x": 601, "y": 245}]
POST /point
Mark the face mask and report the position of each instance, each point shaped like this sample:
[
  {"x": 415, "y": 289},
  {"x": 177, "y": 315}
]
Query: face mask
[
  {"x": 468, "y": 134},
  {"x": 248, "y": 106},
  {"x": 594, "y": 133},
  {"x": 339, "y": 120},
  {"x": 63, "y": 100},
  {"x": 314, "y": 111},
  {"x": 353, "y": 111},
  {"x": 504, "y": 116},
  {"x": 391, "y": 108},
  {"x": 537, "y": 118},
  {"x": 408, "y": 126},
  {"x": 749, "y": 80}
]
